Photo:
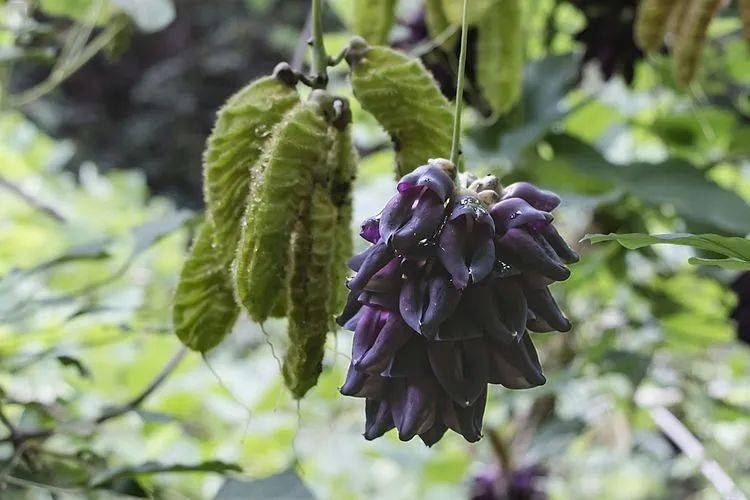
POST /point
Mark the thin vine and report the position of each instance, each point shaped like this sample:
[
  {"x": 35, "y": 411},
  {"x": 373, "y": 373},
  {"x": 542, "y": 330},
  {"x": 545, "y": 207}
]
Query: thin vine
[{"x": 456, "y": 143}]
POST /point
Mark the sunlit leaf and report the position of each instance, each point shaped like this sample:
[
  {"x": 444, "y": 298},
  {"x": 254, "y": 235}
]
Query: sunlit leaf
[
  {"x": 157, "y": 468},
  {"x": 737, "y": 249},
  {"x": 373, "y": 19}
]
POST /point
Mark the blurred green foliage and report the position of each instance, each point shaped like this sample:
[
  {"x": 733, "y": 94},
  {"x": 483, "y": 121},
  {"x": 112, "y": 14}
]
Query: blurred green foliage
[{"x": 89, "y": 261}]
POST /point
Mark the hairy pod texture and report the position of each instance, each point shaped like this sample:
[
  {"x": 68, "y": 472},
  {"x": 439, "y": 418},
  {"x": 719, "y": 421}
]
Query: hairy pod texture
[
  {"x": 441, "y": 302},
  {"x": 691, "y": 38},
  {"x": 651, "y": 23},
  {"x": 404, "y": 98}
]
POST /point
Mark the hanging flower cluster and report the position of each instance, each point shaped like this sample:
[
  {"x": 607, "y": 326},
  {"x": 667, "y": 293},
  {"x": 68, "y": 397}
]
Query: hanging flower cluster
[{"x": 442, "y": 300}]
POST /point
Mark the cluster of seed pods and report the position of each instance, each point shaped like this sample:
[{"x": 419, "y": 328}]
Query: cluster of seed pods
[{"x": 441, "y": 302}]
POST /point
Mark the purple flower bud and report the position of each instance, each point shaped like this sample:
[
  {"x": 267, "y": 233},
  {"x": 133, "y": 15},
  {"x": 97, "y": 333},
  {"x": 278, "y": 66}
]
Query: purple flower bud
[
  {"x": 461, "y": 368},
  {"x": 371, "y": 229},
  {"x": 443, "y": 299},
  {"x": 392, "y": 336},
  {"x": 434, "y": 434},
  {"x": 362, "y": 385},
  {"x": 368, "y": 327},
  {"x": 537, "y": 325},
  {"x": 377, "y": 257},
  {"x": 520, "y": 248},
  {"x": 542, "y": 303},
  {"x": 515, "y": 212},
  {"x": 414, "y": 406},
  {"x": 540, "y": 199},
  {"x": 430, "y": 176},
  {"x": 467, "y": 421},
  {"x": 511, "y": 305},
  {"x": 481, "y": 306},
  {"x": 396, "y": 213},
  {"x": 410, "y": 361},
  {"x": 560, "y": 246},
  {"x": 378, "y": 419},
  {"x": 424, "y": 223},
  {"x": 460, "y": 326},
  {"x": 515, "y": 366},
  {"x": 351, "y": 309},
  {"x": 465, "y": 246}
]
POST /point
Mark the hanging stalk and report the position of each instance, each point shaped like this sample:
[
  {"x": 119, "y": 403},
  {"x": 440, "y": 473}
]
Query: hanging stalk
[{"x": 456, "y": 143}]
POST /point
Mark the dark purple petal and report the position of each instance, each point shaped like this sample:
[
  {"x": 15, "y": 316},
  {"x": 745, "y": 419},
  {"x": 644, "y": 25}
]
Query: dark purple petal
[
  {"x": 519, "y": 248},
  {"x": 482, "y": 260},
  {"x": 451, "y": 249},
  {"x": 379, "y": 256},
  {"x": 412, "y": 300},
  {"x": 434, "y": 434},
  {"x": 392, "y": 337},
  {"x": 515, "y": 212},
  {"x": 423, "y": 225},
  {"x": 351, "y": 308},
  {"x": 414, "y": 407},
  {"x": 561, "y": 247},
  {"x": 515, "y": 366},
  {"x": 378, "y": 418},
  {"x": 396, "y": 213},
  {"x": 431, "y": 177},
  {"x": 460, "y": 367},
  {"x": 541, "y": 301},
  {"x": 386, "y": 301},
  {"x": 355, "y": 261},
  {"x": 537, "y": 325},
  {"x": 511, "y": 303},
  {"x": 442, "y": 303},
  {"x": 410, "y": 361},
  {"x": 387, "y": 279},
  {"x": 367, "y": 331},
  {"x": 459, "y": 327},
  {"x": 481, "y": 307},
  {"x": 362, "y": 385},
  {"x": 537, "y": 198},
  {"x": 469, "y": 419},
  {"x": 351, "y": 324},
  {"x": 370, "y": 230}
]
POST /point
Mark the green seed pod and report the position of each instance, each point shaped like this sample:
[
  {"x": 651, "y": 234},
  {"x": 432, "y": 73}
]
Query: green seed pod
[
  {"x": 373, "y": 19},
  {"x": 500, "y": 52},
  {"x": 676, "y": 21},
  {"x": 243, "y": 126},
  {"x": 293, "y": 160},
  {"x": 651, "y": 23},
  {"x": 309, "y": 293},
  {"x": 404, "y": 98},
  {"x": 691, "y": 39},
  {"x": 204, "y": 309},
  {"x": 744, "y": 6},
  {"x": 344, "y": 164}
]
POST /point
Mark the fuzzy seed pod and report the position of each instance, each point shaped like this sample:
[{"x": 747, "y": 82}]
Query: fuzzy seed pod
[
  {"x": 688, "y": 48},
  {"x": 204, "y": 309},
  {"x": 296, "y": 155},
  {"x": 310, "y": 289},
  {"x": 244, "y": 125},
  {"x": 651, "y": 23},
  {"x": 404, "y": 98}
]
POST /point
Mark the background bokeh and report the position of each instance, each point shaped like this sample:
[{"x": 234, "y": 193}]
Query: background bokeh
[{"x": 100, "y": 192}]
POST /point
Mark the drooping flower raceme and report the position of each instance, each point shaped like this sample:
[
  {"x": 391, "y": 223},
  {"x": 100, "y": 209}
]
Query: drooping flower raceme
[{"x": 441, "y": 302}]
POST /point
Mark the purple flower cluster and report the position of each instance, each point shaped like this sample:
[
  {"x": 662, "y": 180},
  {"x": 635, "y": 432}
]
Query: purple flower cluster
[{"x": 441, "y": 301}]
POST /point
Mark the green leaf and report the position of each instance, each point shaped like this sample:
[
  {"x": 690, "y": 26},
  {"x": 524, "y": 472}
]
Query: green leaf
[
  {"x": 500, "y": 54},
  {"x": 294, "y": 158},
  {"x": 673, "y": 182},
  {"x": 404, "y": 98},
  {"x": 148, "y": 15},
  {"x": 373, "y": 19},
  {"x": 244, "y": 126},
  {"x": 148, "y": 468},
  {"x": 737, "y": 249},
  {"x": 204, "y": 309},
  {"x": 546, "y": 82},
  {"x": 284, "y": 486},
  {"x": 729, "y": 263}
]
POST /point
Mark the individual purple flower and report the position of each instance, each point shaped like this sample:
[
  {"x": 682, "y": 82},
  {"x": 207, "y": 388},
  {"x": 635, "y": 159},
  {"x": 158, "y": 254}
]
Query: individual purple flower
[{"x": 465, "y": 247}]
